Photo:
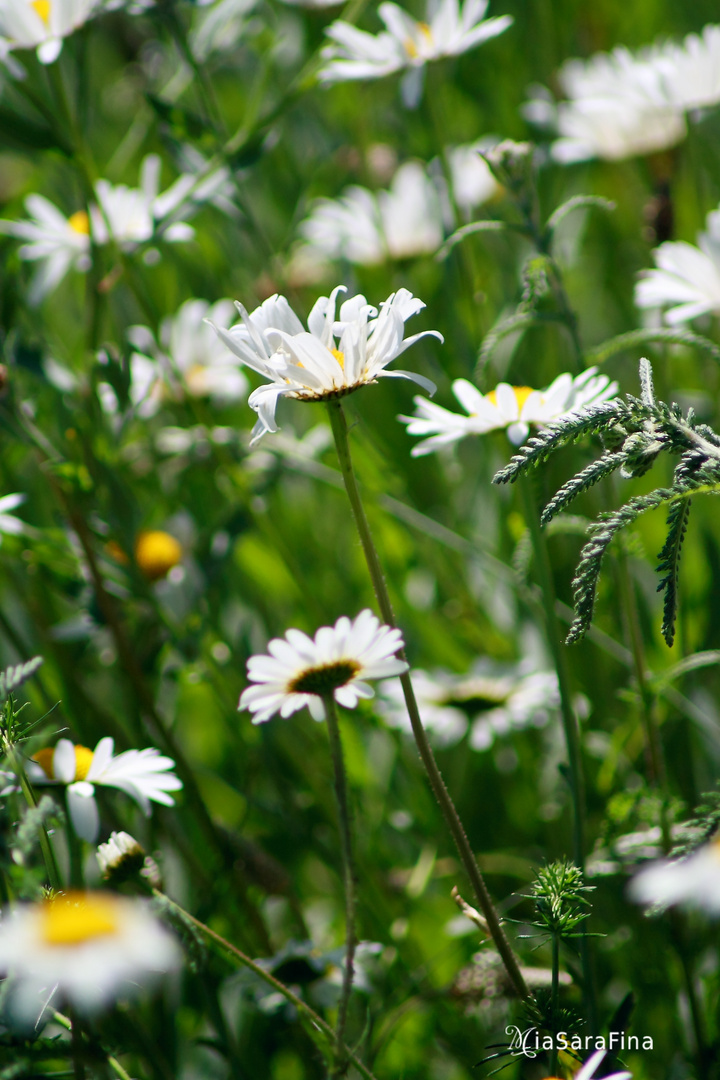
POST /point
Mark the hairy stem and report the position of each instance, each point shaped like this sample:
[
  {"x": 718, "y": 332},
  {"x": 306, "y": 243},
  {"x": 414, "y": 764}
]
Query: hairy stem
[
  {"x": 349, "y": 878},
  {"x": 567, "y": 712},
  {"x": 309, "y": 1013},
  {"x": 447, "y": 806}
]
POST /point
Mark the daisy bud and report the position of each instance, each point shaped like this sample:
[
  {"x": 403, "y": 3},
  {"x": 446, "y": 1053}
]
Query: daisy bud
[
  {"x": 156, "y": 553},
  {"x": 122, "y": 859}
]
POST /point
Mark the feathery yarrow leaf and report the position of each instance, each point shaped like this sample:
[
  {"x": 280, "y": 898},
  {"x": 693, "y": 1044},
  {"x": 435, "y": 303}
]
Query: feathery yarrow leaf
[
  {"x": 669, "y": 565},
  {"x": 587, "y": 478},
  {"x": 13, "y": 677}
]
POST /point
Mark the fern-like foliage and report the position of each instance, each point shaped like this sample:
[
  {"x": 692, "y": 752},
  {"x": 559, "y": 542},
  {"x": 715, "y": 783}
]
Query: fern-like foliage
[
  {"x": 635, "y": 432},
  {"x": 13, "y": 677}
]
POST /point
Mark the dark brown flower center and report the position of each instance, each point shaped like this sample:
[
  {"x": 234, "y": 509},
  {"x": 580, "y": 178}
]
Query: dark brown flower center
[{"x": 324, "y": 679}]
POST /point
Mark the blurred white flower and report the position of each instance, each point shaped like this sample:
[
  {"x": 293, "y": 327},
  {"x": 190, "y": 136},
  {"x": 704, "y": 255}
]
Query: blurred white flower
[
  {"x": 493, "y": 699},
  {"x": 10, "y": 524},
  {"x": 143, "y": 774},
  {"x": 366, "y": 227},
  {"x": 55, "y": 242},
  {"x": 42, "y": 24},
  {"x": 691, "y": 70},
  {"x": 693, "y": 881},
  {"x": 618, "y": 107},
  {"x": 472, "y": 181},
  {"x": 589, "y": 1069},
  {"x": 190, "y": 358},
  {"x": 300, "y": 670},
  {"x": 333, "y": 359},
  {"x": 512, "y": 407},
  {"x": 87, "y": 949},
  {"x": 314, "y": 3},
  {"x": 406, "y": 43},
  {"x": 687, "y": 279},
  {"x": 131, "y": 216}
]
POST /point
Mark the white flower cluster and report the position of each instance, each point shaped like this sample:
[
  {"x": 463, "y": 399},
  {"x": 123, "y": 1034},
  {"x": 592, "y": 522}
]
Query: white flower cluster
[
  {"x": 129, "y": 217},
  {"x": 623, "y": 104},
  {"x": 686, "y": 283},
  {"x": 515, "y": 408},
  {"x": 492, "y": 700},
  {"x": 407, "y": 44},
  {"x": 407, "y": 220}
]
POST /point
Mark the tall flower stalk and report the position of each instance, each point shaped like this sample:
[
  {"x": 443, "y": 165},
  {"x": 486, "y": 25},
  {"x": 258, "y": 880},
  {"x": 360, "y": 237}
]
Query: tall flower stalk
[
  {"x": 349, "y": 880},
  {"x": 338, "y": 423}
]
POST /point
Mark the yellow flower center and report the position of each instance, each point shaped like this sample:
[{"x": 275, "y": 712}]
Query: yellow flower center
[
  {"x": 83, "y": 761},
  {"x": 339, "y": 356},
  {"x": 156, "y": 553},
  {"x": 77, "y": 917},
  {"x": 79, "y": 222},
  {"x": 522, "y": 393},
  {"x": 411, "y": 48},
  {"x": 43, "y": 9}
]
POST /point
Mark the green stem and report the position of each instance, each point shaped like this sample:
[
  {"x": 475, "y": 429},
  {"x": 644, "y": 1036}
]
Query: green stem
[
  {"x": 449, "y": 812},
  {"x": 66, "y": 1022},
  {"x": 552, "y": 628},
  {"x": 554, "y": 995},
  {"x": 569, "y": 719},
  {"x": 307, "y": 1011},
  {"x": 655, "y": 761},
  {"x": 15, "y": 762},
  {"x": 349, "y": 878}
]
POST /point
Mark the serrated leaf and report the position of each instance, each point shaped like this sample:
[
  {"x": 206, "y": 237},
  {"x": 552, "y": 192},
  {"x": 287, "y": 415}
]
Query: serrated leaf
[
  {"x": 669, "y": 564},
  {"x": 13, "y": 677}
]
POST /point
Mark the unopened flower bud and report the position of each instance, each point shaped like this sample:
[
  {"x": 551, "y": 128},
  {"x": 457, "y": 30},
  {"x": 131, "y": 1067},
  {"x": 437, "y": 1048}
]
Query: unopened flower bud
[{"x": 122, "y": 858}]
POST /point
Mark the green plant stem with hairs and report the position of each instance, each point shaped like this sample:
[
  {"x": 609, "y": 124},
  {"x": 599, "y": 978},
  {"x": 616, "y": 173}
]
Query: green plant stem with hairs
[
  {"x": 349, "y": 879},
  {"x": 340, "y": 432},
  {"x": 567, "y": 712},
  {"x": 15, "y": 761},
  {"x": 67, "y": 1023},
  {"x": 315, "y": 1020}
]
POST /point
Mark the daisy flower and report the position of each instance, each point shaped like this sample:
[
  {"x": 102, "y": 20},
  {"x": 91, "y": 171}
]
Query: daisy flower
[
  {"x": 512, "y": 407},
  {"x": 365, "y": 227},
  {"x": 617, "y": 107},
  {"x": 332, "y": 358},
  {"x": 472, "y": 181},
  {"x": 143, "y": 774},
  {"x": 42, "y": 24},
  {"x": 190, "y": 353},
  {"x": 131, "y": 216},
  {"x": 406, "y": 43},
  {"x": 693, "y": 881},
  {"x": 492, "y": 700},
  {"x": 687, "y": 279},
  {"x": 87, "y": 949},
  {"x": 300, "y": 670},
  {"x": 122, "y": 859},
  {"x": 691, "y": 70},
  {"x": 55, "y": 242},
  {"x": 10, "y": 524},
  {"x": 589, "y": 1069}
]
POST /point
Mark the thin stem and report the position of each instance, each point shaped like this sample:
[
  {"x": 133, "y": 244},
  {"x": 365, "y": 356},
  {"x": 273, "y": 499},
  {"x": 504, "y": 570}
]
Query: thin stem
[
  {"x": 66, "y": 1022},
  {"x": 552, "y": 628},
  {"x": 77, "y": 1048},
  {"x": 349, "y": 878},
  {"x": 315, "y": 1019},
  {"x": 48, "y": 854},
  {"x": 569, "y": 719},
  {"x": 449, "y": 812},
  {"x": 554, "y": 995}
]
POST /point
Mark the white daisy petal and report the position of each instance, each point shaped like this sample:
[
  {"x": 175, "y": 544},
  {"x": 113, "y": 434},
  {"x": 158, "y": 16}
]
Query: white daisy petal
[{"x": 338, "y": 660}]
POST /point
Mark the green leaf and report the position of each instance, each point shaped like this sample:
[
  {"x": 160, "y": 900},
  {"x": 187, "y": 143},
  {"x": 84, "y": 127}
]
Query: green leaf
[
  {"x": 13, "y": 677},
  {"x": 642, "y": 337},
  {"x": 669, "y": 565},
  {"x": 21, "y": 133}
]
